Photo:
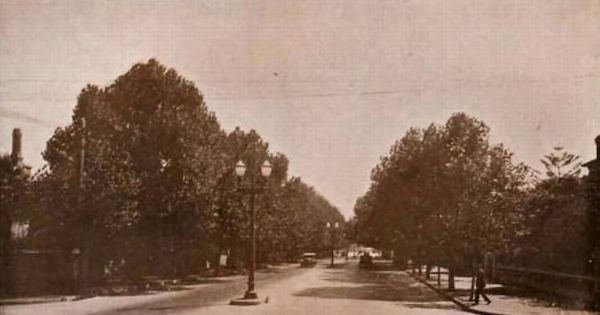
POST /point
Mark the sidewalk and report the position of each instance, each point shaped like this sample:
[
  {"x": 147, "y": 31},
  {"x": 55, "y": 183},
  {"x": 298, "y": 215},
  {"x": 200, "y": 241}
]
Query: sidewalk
[
  {"x": 504, "y": 299},
  {"x": 35, "y": 299},
  {"x": 147, "y": 286}
]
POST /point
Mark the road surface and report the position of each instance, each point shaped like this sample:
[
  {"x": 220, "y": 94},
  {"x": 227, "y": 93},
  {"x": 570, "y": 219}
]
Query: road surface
[{"x": 342, "y": 290}]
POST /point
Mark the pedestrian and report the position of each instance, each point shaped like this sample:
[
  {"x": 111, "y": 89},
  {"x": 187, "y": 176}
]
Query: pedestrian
[{"x": 480, "y": 285}]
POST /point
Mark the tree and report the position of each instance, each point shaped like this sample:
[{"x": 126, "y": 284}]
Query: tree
[
  {"x": 145, "y": 165},
  {"x": 15, "y": 204},
  {"x": 302, "y": 214},
  {"x": 151, "y": 155},
  {"x": 290, "y": 215},
  {"x": 561, "y": 164},
  {"x": 554, "y": 236},
  {"x": 444, "y": 194},
  {"x": 229, "y": 206}
]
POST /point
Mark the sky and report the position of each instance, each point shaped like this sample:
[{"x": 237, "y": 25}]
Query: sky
[{"x": 332, "y": 84}]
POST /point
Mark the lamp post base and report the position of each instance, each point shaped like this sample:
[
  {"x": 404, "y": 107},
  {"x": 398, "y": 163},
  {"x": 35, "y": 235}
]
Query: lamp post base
[
  {"x": 250, "y": 298},
  {"x": 250, "y": 295}
]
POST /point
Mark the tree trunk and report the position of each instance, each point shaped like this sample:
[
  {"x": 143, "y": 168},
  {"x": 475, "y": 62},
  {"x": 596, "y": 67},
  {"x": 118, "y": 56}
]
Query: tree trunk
[
  {"x": 472, "y": 291},
  {"x": 451, "y": 277},
  {"x": 399, "y": 259},
  {"x": 428, "y": 271},
  {"x": 217, "y": 259},
  {"x": 172, "y": 253}
]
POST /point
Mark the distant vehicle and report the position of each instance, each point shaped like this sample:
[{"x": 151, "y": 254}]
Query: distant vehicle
[
  {"x": 365, "y": 261},
  {"x": 308, "y": 260}
]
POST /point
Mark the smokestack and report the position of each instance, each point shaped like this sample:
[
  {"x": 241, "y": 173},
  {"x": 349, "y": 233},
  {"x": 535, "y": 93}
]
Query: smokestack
[{"x": 16, "y": 156}]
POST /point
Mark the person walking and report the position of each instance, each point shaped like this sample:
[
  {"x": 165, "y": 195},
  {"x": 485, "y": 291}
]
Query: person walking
[{"x": 479, "y": 286}]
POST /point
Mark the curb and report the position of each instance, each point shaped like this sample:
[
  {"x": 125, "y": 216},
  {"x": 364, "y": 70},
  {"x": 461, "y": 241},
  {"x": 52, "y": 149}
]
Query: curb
[
  {"x": 84, "y": 297},
  {"x": 460, "y": 304},
  {"x": 36, "y": 301}
]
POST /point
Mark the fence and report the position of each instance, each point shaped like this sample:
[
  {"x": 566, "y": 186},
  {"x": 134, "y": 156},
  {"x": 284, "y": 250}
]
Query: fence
[
  {"x": 41, "y": 272},
  {"x": 571, "y": 286}
]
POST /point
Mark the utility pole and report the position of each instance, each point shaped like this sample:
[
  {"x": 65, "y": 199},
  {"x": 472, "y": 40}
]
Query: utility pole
[
  {"x": 592, "y": 266},
  {"x": 82, "y": 158},
  {"x": 83, "y": 264}
]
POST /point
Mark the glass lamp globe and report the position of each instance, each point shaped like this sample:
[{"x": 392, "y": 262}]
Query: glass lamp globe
[
  {"x": 240, "y": 168},
  {"x": 265, "y": 169}
]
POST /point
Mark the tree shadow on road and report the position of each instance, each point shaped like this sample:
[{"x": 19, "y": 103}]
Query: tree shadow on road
[
  {"x": 364, "y": 276},
  {"x": 377, "y": 286},
  {"x": 372, "y": 292},
  {"x": 150, "y": 288}
]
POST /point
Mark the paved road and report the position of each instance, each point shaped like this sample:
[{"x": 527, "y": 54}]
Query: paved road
[
  {"x": 343, "y": 290},
  {"x": 213, "y": 290}
]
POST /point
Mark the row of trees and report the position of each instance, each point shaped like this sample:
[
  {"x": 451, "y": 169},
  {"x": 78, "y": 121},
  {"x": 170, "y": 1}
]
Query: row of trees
[
  {"x": 445, "y": 195},
  {"x": 14, "y": 185},
  {"x": 142, "y": 181},
  {"x": 557, "y": 209}
]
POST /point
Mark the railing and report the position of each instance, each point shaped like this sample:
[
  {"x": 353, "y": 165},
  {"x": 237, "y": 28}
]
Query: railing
[
  {"x": 563, "y": 284},
  {"x": 545, "y": 272}
]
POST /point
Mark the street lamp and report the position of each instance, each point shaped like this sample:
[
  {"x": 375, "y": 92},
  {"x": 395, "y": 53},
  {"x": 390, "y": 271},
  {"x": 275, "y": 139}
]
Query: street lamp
[
  {"x": 250, "y": 297},
  {"x": 333, "y": 227}
]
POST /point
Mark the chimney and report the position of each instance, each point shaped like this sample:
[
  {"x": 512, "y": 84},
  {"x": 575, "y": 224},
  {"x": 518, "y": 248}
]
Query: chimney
[{"x": 16, "y": 156}]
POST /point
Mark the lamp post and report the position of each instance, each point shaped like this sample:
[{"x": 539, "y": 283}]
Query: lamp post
[
  {"x": 250, "y": 297},
  {"x": 332, "y": 228}
]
